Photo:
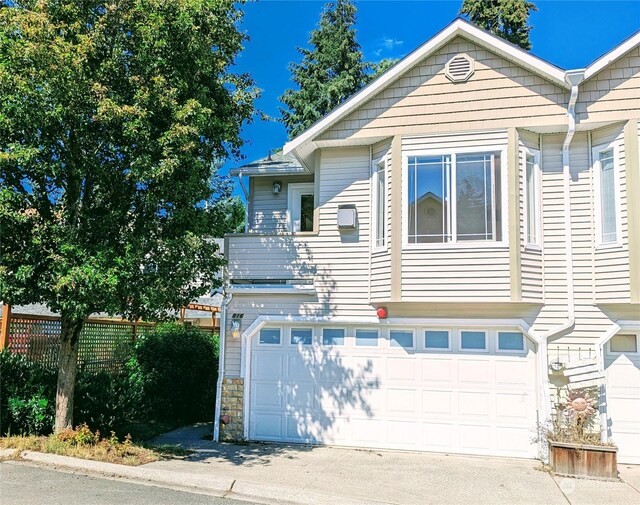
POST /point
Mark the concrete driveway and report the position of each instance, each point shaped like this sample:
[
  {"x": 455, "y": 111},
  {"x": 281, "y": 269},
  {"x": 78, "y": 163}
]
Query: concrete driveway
[{"x": 394, "y": 477}]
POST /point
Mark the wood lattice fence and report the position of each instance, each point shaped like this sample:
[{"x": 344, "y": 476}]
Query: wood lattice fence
[{"x": 104, "y": 344}]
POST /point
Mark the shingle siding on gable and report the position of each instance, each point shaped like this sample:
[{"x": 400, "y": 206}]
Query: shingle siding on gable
[
  {"x": 499, "y": 94},
  {"x": 612, "y": 94}
]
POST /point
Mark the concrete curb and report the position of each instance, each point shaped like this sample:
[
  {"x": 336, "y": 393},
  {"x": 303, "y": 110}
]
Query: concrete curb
[{"x": 209, "y": 484}]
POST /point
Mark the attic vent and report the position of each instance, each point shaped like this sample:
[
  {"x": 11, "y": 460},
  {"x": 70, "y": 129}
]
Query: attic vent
[{"x": 459, "y": 68}]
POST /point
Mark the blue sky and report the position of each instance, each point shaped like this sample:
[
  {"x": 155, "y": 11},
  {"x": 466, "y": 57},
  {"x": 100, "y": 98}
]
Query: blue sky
[{"x": 567, "y": 34}]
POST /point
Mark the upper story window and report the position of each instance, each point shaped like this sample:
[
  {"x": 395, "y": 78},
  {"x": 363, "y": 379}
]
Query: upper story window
[
  {"x": 454, "y": 198},
  {"x": 532, "y": 197},
  {"x": 301, "y": 206},
  {"x": 606, "y": 178},
  {"x": 380, "y": 204}
]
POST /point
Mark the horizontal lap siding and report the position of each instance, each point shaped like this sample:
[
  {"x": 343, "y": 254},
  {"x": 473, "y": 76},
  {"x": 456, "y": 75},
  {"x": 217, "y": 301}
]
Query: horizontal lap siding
[
  {"x": 531, "y": 260},
  {"x": 498, "y": 94},
  {"x": 613, "y": 93},
  {"x": 268, "y": 211},
  {"x": 612, "y": 282},
  {"x": 454, "y": 274},
  {"x": 381, "y": 260}
]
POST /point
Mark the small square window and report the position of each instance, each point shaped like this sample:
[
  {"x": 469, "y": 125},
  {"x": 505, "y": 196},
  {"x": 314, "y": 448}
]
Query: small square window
[
  {"x": 367, "y": 338},
  {"x": 401, "y": 339},
  {"x": 303, "y": 336},
  {"x": 510, "y": 341},
  {"x": 333, "y": 336},
  {"x": 270, "y": 336},
  {"x": 623, "y": 343},
  {"x": 473, "y": 340},
  {"x": 436, "y": 339}
]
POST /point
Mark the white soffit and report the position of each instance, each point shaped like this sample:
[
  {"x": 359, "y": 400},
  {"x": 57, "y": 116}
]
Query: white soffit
[{"x": 459, "y": 27}]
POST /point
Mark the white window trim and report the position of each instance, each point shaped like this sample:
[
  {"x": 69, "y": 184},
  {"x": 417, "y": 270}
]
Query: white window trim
[
  {"x": 364, "y": 328},
  {"x": 598, "y": 194},
  {"x": 525, "y": 344},
  {"x": 374, "y": 202},
  {"x": 454, "y": 244},
  {"x": 400, "y": 347},
  {"x": 282, "y": 336},
  {"x": 471, "y": 351},
  {"x": 294, "y": 189},
  {"x": 290, "y": 330},
  {"x": 537, "y": 181},
  {"x": 619, "y": 353},
  {"x": 423, "y": 332},
  {"x": 345, "y": 336}
]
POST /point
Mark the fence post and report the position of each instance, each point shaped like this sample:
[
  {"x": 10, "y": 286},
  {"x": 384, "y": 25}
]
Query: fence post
[{"x": 6, "y": 325}]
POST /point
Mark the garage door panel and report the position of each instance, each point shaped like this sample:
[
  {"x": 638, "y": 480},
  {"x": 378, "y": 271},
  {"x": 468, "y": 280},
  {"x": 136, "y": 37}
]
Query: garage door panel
[
  {"x": 268, "y": 366},
  {"x": 438, "y": 403},
  {"x": 476, "y": 437},
  {"x": 512, "y": 373},
  {"x": 401, "y": 369},
  {"x": 267, "y": 395},
  {"x": 513, "y": 405},
  {"x": 439, "y": 436},
  {"x": 367, "y": 431},
  {"x": 474, "y": 371},
  {"x": 302, "y": 397},
  {"x": 438, "y": 370},
  {"x": 266, "y": 426},
  {"x": 474, "y": 404},
  {"x": 402, "y": 401},
  {"x": 511, "y": 439},
  {"x": 300, "y": 366},
  {"x": 402, "y": 433}
]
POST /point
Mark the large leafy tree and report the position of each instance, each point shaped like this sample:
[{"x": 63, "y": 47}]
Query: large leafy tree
[
  {"x": 112, "y": 116},
  {"x": 506, "y": 18},
  {"x": 330, "y": 71}
]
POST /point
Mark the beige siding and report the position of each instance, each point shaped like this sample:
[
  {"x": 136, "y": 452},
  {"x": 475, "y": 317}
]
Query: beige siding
[
  {"x": 612, "y": 282},
  {"x": 498, "y": 95},
  {"x": 531, "y": 257},
  {"x": 456, "y": 273},
  {"x": 381, "y": 260},
  {"x": 612, "y": 94},
  {"x": 268, "y": 211}
]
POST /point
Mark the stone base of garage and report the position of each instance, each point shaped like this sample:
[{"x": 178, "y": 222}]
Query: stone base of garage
[{"x": 231, "y": 410}]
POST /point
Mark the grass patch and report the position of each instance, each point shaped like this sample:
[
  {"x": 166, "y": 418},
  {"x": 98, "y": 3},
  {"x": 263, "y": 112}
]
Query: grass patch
[{"x": 83, "y": 443}]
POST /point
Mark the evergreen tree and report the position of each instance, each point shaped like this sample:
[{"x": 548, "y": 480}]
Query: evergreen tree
[
  {"x": 506, "y": 18},
  {"x": 331, "y": 71}
]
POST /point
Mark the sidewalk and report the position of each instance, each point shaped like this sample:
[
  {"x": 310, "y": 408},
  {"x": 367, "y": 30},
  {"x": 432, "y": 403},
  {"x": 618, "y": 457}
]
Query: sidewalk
[{"x": 301, "y": 475}]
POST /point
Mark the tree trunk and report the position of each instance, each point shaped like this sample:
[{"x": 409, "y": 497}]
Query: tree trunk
[{"x": 67, "y": 367}]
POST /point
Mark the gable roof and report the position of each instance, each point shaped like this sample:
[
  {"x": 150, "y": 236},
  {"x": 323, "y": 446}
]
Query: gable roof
[
  {"x": 456, "y": 28},
  {"x": 302, "y": 145}
]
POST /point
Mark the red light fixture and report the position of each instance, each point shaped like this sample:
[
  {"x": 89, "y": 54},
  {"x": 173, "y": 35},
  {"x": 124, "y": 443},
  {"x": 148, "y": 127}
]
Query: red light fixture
[{"x": 382, "y": 312}]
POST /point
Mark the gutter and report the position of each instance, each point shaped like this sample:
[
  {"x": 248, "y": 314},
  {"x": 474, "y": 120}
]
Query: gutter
[{"x": 223, "y": 332}]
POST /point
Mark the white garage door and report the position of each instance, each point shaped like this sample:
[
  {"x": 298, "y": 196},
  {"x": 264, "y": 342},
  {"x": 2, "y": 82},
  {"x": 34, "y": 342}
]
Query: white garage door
[
  {"x": 622, "y": 364},
  {"x": 466, "y": 391}
]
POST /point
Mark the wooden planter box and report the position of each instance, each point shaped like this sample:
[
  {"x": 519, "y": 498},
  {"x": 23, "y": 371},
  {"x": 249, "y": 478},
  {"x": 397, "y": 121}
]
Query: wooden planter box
[{"x": 584, "y": 460}]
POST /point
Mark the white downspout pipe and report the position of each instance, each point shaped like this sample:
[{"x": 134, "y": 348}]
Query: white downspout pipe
[
  {"x": 573, "y": 78},
  {"x": 223, "y": 334}
]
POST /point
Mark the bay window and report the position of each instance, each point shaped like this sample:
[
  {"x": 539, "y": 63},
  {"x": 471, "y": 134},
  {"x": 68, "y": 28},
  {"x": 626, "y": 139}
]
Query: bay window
[
  {"x": 454, "y": 198},
  {"x": 532, "y": 198},
  {"x": 606, "y": 183},
  {"x": 380, "y": 202}
]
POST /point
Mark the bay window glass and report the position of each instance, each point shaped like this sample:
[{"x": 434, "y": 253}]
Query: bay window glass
[
  {"x": 531, "y": 197},
  {"x": 454, "y": 198},
  {"x": 607, "y": 197}
]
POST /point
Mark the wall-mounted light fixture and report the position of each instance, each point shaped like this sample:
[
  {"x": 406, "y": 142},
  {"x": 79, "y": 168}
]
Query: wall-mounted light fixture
[
  {"x": 277, "y": 187},
  {"x": 236, "y": 321}
]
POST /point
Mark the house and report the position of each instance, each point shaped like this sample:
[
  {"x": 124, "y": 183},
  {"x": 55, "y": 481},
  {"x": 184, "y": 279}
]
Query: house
[{"x": 421, "y": 265}]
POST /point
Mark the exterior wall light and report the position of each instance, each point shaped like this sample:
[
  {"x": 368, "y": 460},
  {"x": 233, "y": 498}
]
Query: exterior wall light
[{"x": 277, "y": 187}]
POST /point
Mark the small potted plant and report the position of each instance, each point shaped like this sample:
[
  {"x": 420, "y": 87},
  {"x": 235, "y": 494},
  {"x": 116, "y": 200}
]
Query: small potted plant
[{"x": 574, "y": 438}]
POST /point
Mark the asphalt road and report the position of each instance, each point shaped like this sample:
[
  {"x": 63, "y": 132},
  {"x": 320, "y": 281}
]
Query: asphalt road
[{"x": 21, "y": 484}]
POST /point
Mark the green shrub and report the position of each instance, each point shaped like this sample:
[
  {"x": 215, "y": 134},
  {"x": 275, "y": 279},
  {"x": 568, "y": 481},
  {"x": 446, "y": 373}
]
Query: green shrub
[
  {"x": 27, "y": 395},
  {"x": 177, "y": 366}
]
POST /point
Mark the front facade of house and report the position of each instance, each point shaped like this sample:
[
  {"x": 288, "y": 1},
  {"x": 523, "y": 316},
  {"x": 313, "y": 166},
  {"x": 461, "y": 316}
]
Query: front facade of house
[{"x": 415, "y": 262}]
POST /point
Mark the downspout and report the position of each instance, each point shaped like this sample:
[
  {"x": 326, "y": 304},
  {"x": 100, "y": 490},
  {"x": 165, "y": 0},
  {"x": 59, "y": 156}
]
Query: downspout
[
  {"x": 573, "y": 78},
  {"x": 246, "y": 207},
  {"x": 223, "y": 334}
]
